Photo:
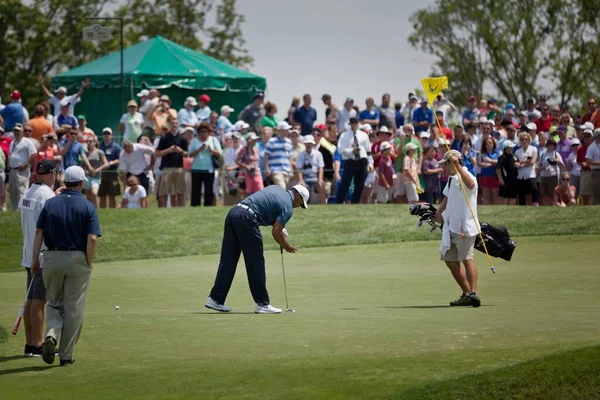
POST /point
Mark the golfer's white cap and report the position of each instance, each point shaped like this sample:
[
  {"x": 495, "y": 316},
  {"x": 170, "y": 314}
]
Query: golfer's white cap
[
  {"x": 75, "y": 174},
  {"x": 303, "y": 192}
]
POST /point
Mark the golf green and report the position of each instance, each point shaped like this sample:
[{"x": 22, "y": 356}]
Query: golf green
[{"x": 371, "y": 321}]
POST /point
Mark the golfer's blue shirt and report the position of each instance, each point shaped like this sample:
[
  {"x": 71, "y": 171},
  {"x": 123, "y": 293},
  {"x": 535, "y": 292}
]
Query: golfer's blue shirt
[
  {"x": 67, "y": 220},
  {"x": 271, "y": 204}
]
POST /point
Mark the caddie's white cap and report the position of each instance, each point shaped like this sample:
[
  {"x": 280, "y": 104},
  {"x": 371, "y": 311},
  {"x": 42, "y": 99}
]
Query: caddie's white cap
[
  {"x": 304, "y": 193},
  {"x": 283, "y": 126},
  {"x": 61, "y": 89},
  {"x": 308, "y": 139},
  {"x": 75, "y": 174},
  {"x": 143, "y": 93}
]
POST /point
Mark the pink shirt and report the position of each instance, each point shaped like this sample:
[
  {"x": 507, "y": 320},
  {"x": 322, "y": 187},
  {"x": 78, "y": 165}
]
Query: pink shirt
[{"x": 386, "y": 168}]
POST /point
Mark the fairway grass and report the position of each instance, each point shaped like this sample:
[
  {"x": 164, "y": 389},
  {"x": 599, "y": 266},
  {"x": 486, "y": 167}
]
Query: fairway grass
[{"x": 372, "y": 322}]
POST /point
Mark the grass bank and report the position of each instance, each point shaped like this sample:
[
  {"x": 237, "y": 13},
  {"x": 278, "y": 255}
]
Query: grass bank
[{"x": 162, "y": 233}]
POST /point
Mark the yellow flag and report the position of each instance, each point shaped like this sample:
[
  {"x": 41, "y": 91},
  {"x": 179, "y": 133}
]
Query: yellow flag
[{"x": 433, "y": 86}]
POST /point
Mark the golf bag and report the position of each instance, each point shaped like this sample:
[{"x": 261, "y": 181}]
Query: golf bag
[{"x": 497, "y": 239}]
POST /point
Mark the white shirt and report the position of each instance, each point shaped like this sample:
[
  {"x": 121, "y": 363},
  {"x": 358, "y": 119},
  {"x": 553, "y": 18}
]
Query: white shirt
[
  {"x": 135, "y": 162},
  {"x": 346, "y": 145},
  {"x": 533, "y": 115},
  {"x": 343, "y": 118},
  {"x": 185, "y": 117},
  {"x": 31, "y": 205},
  {"x": 522, "y": 156},
  {"x": 547, "y": 169},
  {"x": 203, "y": 114},
  {"x": 593, "y": 154},
  {"x": 73, "y": 99},
  {"x": 310, "y": 164},
  {"x": 146, "y": 110},
  {"x": 575, "y": 166},
  {"x": 457, "y": 214},
  {"x": 134, "y": 200},
  {"x": 230, "y": 156},
  {"x": 20, "y": 151},
  {"x": 137, "y": 119}
]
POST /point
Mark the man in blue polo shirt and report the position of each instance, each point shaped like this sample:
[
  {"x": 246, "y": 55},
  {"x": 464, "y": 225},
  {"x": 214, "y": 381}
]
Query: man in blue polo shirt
[
  {"x": 306, "y": 116},
  {"x": 72, "y": 150},
  {"x": 272, "y": 206},
  {"x": 422, "y": 117},
  {"x": 370, "y": 115},
  {"x": 64, "y": 122},
  {"x": 278, "y": 154},
  {"x": 13, "y": 112},
  {"x": 109, "y": 181},
  {"x": 69, "y": 227}
]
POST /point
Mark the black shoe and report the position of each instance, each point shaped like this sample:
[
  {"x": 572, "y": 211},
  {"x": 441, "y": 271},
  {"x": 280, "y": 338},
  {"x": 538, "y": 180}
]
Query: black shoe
[
  {"x": 475, "y": 300},
  {"x": 49, "y": 350},
  {"x": 463, "y": 300},
  {"x": 28, "y": 351},
  {"x": 37, "y": 351},
  {"x": 66, "y": 363}
]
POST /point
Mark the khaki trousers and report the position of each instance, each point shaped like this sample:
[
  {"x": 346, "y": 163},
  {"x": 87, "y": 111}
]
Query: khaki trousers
[
  {"x": 18, "y": 183},
  {"x": 67, "y": 277}
]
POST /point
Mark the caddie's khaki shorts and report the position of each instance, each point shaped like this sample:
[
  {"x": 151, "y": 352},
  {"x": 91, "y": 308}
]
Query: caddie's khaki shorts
[{"x": 461, "y": 249}]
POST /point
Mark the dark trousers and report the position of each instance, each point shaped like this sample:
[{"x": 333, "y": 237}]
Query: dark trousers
[
  {"x": 241, "y": 236},
  {"x": 143, "y": 180},
  {"x": 199, "y": 179},
  {"x": 356, "y": 169}
]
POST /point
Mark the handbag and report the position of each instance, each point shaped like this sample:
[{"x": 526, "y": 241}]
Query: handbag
[{"x": 216, "y": 159}]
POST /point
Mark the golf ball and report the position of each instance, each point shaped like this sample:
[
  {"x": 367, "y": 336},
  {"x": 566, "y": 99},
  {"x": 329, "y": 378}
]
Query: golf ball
[{"x": 116, "y": 307}]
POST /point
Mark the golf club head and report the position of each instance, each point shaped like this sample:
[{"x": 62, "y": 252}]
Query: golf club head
[{"x": 290, "y": 310}]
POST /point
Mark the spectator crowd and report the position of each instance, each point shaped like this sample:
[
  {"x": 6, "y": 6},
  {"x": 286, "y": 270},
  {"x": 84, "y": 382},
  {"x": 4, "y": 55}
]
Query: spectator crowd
[{"x": 537, "y": 154}]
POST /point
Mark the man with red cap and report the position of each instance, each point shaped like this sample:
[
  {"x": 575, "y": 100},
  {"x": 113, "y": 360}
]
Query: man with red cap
[
  {"x": 204, "y": 111},
  {"x": 13, "y": 113}
]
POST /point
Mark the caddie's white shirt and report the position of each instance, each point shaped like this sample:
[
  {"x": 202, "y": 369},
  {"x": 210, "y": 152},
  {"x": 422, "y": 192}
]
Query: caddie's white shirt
[
  {"x": 593, "y": 154},
  {"x": 457, "y": 214},
  {"x": 135, "y": 162},
  {"x": 522, "y": 156},
  {"x": 20, "y": 151},
  {"x": 346, "y": 145},
  {"x": 73, "y": 99},
  {"x": 31, "y": 205}
]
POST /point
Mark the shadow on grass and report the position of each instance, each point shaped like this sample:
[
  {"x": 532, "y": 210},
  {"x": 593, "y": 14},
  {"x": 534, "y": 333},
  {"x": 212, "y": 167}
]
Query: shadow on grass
[
  {"x": 566, "y": 376},
  {"x": 224, "y": 313},
  {"x": 10, "y": 358},
  {"x": 438, "y": 306},
  {"x": 26, "y": 369}
]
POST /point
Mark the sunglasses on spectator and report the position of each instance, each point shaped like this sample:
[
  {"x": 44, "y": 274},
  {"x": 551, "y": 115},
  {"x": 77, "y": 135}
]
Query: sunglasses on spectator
[
  {"x": 545, "y": 109},
  {"x": 28, "y": 130},
  {"x": 90, "y": 141},
  {"x": 566, "y": 179},
  {"x": 591, "y": 103},
  {"x": 106, "y": 133},
  {"x": 523, "y": 140}
]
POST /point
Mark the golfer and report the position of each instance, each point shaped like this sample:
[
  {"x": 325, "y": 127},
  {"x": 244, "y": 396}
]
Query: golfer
[
  {"x": 31, "y": 205},
  {"x": 69, "y": 227},
  {"x": 459, "y": 227},
  {"x": 273, "y": 206}
]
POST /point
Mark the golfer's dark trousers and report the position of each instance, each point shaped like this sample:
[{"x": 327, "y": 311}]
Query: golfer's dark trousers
[
  {"x": 199, "y": 179},
  {"x": 143, "y": 180},
  {"x": 241, "y": 236},
  {"x": 356, "y": 169}
]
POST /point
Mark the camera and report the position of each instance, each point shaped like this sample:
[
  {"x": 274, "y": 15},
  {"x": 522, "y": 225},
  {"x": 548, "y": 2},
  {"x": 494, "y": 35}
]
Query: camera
[{"x": 551, "y": 161}]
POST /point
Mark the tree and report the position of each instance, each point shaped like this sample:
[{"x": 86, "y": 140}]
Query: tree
[
  {"x": 226, "y": 39},
  {"x": 510, "y": 45}
]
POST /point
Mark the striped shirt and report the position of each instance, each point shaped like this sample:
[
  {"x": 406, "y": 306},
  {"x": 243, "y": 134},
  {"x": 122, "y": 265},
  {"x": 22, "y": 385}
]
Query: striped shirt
[{"x": 280, "y": 153}]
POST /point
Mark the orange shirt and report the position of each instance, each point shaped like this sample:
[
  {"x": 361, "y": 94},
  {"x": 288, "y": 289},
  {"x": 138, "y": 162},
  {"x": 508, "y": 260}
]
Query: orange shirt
[
  {"x": 159, "y": 117},
  {"x": 39, "y": 127}
]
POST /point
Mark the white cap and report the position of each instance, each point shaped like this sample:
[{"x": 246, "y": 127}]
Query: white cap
[
  {"x": 61, "y": 89},
  {"x": 188, "y": 128},
  {"x": 283, "y": 126},
  {"x": 575, "y": 141},
  {"x": 531, "y": 126},
  {"x": 75, "y": 174},
  {"x": 107, "y": 129},
  {"x": 591, "y": 132},
  {"x": 191, "y": 100},
  {"x": 239, "y": 126},
  {"x": 384, "y": 129},
  {"x": 425, "y": 135},
  {"x": 588, "y": 125},
  {"x": 385, "y": 146},
  {"x": 411, "y": 146},
  {"x": 308, "y": 139},
  {"x": 491, "y": 122},
  {"x": 252, "y": 136},
  {"x": 64, "y": 103},
  {"x": 596, "y": 133},
  {"x": 442, "y": 141},
  {"x": 366, "y": 128},
  {"x": 304, "y": 193},
  {"x": 143, "y": 93},
  {"x": 510, "y": 144},
  {"x": 226, "y": 108}
]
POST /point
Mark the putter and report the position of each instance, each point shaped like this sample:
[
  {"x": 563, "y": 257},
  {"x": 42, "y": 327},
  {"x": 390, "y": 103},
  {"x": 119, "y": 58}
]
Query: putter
[{"x": 287, "y": 306}]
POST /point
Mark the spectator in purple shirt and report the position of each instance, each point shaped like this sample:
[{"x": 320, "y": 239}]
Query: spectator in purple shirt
[
  {"x": 563, "y": 146},
  {"x": 306, "y": 116}
]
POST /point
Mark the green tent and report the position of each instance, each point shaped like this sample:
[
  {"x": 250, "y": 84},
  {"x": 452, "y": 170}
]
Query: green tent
[{"x": 175, "y": 70}]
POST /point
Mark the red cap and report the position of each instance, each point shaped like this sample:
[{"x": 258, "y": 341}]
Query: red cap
[
  {"x": 472, "y": 98},
  {"x": 322, "y": 127},
  {"x": 204, "y": 98},
  {"x": 15, "y": 95}
]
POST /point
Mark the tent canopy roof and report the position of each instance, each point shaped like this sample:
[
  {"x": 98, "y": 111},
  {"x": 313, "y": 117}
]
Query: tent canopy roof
[{"x": 160, "y": 63}]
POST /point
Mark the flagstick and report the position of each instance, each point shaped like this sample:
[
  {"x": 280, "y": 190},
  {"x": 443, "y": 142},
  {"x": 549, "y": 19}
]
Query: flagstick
[{"x": 462, "y": 187}]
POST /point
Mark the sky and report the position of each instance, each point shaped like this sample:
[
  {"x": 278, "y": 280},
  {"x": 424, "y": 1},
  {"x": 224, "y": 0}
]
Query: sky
[{"x": 350, "y": 48}]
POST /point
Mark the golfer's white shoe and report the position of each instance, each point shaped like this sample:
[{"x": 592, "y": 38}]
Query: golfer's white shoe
[
  {"x": 268, "y": 309},
  {"x": 213, "y": 305}
]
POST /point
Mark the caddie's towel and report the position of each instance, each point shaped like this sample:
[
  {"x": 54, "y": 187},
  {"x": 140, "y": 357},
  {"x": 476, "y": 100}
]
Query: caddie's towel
[{"x": 446, "y": 239}]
